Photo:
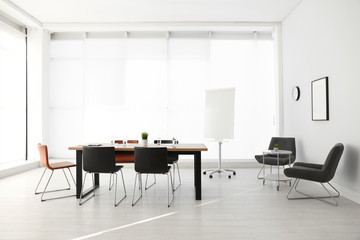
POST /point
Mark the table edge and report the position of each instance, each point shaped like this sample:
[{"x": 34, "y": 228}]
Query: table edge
[{"x": 202, "y": 148}]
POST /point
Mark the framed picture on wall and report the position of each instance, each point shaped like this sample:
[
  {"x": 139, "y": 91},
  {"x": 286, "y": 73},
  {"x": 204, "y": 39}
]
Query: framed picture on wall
[{"x": 320, "y": 99}]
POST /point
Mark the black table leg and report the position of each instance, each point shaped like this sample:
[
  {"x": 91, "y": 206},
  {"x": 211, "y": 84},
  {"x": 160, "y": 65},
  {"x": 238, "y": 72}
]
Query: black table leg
[
  {"x": 79, "y": 173},
  {"x": 197, "y": 172},
  {"x": 97, "y": 180}
]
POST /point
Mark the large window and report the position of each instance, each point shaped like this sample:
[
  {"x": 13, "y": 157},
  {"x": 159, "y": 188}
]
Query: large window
[
  {"x": 105, "y": 87},
  {"x": 12, "y": 96}
]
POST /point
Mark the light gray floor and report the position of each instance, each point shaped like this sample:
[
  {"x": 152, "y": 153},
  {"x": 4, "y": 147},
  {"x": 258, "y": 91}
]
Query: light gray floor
[{"x": 237, "y": 208}]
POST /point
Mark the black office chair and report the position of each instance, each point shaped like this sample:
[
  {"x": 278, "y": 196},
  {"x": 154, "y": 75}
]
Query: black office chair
[
  {"x": 173, "y": 160},
  {"x": 321, "y": 173},
  {"x": 122, "y": 158},
  {"x": 151, "y": 160},
  {"x": 284, "y": 143},
  {"x": 100, "y": 160}
]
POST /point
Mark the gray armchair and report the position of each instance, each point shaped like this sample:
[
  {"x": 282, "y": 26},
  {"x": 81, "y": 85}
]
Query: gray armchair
[
  {"x": 285, "y": 143},
  {"x": 321, "y": 173}
]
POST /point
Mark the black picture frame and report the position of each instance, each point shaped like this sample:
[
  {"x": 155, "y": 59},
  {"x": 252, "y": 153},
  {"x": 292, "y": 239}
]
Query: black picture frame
[{"x": 320, "y": 99}]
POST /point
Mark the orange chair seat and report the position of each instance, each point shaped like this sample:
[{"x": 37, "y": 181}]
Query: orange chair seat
[{"x": 60, "y": 165}]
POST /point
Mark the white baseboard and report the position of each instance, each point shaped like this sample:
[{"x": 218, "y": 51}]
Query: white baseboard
[
  {"x": 206, "y": 165},
  {"x": 210, "y": 165},
  {"x": 13, "y": 168},
  {"x": 347, "y": 193}
]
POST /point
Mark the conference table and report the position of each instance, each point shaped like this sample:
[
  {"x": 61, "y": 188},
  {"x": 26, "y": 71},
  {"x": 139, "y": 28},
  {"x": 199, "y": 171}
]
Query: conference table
[{"x": 181, "y": 149}]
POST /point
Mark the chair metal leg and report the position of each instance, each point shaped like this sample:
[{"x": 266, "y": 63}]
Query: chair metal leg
[
  {"x": 258, "y": 175},
  {"x": 111, "y": 183},
  {"x": 39, "y": 182},
  {"x": 57, "y": 190},
  {"x": 146, "y": 186},
  {"x": 320, "y": 198},
  {"x": 170, "y": 188},
  {"x": 72, "y": 176},
  {"x": 117, "y": 203},
  {"x": 169, "y": 179},
  {"x": 138, "y": 175},
  {"x": 177, "y": 166},
  {"x": 82, "y": 189},
  {"x": 66, "y": 178},
  {"x": 122, "y": 177},
  {"x": 42, "y": 195}
]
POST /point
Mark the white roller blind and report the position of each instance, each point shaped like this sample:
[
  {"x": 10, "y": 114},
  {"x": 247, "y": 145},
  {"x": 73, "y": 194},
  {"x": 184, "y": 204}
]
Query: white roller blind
[
  {"x": 12, "y": 95},
  {"x": 188, "y": 73},
  {"x": 126, "y": 83},
  {"x": 65, "y": 96}
]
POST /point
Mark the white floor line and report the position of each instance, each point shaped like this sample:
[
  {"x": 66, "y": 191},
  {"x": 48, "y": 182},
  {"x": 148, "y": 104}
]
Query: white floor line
[
  {"x": 161, "y": 216},
  {"x": 124, "y": 226},
  {"x": 231, "y": 196}
]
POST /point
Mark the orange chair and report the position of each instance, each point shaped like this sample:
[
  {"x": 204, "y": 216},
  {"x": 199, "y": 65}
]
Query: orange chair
[{"x": 53, "y": 166}]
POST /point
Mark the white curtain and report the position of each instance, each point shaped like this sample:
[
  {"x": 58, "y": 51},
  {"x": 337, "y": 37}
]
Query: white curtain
[
  {"x": 122, "y": 86},
  {"x": 12, "y": 96}
]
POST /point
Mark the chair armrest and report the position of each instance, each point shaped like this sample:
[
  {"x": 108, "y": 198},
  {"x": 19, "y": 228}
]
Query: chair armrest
[{"x": 309, "y": 165}]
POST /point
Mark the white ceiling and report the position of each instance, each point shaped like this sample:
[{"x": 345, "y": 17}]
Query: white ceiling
[{"x": 50, "y": 13}]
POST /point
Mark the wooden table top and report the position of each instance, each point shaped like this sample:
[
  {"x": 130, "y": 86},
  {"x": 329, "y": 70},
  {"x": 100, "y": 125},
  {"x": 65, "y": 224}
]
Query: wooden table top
[{"x": 130, "y": 147}]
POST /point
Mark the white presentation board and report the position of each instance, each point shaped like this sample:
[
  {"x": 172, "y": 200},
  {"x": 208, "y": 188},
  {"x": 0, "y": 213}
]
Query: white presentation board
[{"x": 219, "y": 113}]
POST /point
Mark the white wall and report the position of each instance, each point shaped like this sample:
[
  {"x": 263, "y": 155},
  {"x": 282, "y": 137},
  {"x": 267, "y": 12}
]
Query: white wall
[{"x": 322, "y": 38}]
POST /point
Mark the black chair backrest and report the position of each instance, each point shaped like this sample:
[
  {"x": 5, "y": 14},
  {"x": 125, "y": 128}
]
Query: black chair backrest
[
  {"x": 285, "y": 143},
  {"x": 151, "y": 160},
  {"x": 99, "y": 159},
  {"x": 332, "y": 161}
]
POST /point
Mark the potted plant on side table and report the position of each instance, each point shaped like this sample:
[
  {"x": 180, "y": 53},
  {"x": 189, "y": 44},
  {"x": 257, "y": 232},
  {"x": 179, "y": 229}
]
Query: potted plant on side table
[
  {"x": 276, "y": 147},
  {"x": 144, "y": 137}
]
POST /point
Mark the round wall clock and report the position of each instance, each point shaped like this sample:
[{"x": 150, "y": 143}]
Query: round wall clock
[{"x": 296, "y": 93}]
